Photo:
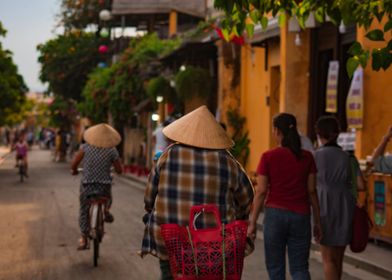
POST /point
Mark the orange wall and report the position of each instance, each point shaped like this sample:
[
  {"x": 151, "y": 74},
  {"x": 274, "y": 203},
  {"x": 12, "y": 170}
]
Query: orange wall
[
  {"x": 377, "y": 101},
  {"x": 255, "y": 89},
  {"x": 295, "y": 76}
]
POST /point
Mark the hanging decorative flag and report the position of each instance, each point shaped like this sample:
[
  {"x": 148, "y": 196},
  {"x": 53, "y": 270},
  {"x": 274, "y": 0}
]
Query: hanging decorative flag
[
  {"x": 354, "y": 106},
  {"x": 332, "y": 87},
  {"x": 239, "y": 40}
]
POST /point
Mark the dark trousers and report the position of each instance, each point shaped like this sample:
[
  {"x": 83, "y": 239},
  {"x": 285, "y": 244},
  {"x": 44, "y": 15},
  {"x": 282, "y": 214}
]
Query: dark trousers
[
  {"x": 287, "y": 229},
  {"x": 165, "y": 270}
]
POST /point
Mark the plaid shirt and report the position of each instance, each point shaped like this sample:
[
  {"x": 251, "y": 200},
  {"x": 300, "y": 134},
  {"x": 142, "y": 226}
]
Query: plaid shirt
[{"x": 186, "y": 176}]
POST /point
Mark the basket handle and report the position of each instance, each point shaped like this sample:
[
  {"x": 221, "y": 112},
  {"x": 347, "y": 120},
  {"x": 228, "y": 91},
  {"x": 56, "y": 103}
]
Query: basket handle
[{"x": 197, "y": 210}]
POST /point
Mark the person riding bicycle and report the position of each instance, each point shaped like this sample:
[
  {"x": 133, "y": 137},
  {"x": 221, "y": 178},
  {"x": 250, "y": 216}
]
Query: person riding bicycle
[
  {"x": 21, "y": 149},
  {"x": 99, "y": 155}
]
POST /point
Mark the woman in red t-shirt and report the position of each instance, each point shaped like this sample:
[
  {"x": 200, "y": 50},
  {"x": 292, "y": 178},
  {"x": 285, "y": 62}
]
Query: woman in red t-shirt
[{"x": 286, "y": 187}]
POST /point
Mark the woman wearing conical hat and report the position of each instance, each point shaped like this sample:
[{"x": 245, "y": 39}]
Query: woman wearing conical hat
[
  {"x": 196, "y": 169},
  {"x": 99, "y": 155}
]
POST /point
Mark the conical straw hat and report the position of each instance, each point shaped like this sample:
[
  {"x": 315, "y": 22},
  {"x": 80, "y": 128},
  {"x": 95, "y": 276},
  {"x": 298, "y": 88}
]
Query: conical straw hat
[
  {"x": 102, "y": 136},
  {"x": 199, "y": 129}
]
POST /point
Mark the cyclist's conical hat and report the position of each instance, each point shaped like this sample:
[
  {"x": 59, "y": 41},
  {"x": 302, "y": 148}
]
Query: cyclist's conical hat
[
  {"x": 102, "y": 136},
  {"x": 198, "y": 129}
]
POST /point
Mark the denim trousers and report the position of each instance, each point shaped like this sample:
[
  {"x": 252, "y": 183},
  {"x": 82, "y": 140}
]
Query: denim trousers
[
  {"x": 283, "y": 228},
  {"x": 165, "y": 270}
]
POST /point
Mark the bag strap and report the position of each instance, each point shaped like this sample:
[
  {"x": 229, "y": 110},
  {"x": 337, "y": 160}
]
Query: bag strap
[
  {"x": 223, "y": 252},
  {"x": 193, "y": 251}
]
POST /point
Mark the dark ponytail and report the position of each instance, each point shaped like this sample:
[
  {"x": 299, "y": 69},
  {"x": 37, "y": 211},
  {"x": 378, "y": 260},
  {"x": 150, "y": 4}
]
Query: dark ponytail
[{"x": 287, "y": 125}]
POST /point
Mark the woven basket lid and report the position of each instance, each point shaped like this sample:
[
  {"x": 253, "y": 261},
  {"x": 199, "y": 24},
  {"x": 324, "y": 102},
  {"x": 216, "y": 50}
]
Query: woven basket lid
[
  {"x": 102, "y": 136},
  {"x": 199, "y": 129}
]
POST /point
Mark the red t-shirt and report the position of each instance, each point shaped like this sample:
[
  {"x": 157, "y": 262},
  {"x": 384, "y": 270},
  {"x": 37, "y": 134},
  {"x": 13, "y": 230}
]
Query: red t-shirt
[{"x": 288, "y": 179}]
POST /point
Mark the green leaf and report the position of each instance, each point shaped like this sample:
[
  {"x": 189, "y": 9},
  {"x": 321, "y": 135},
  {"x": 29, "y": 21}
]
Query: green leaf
[
  {"x": 352, "y": 65},
  {"x": 282, "y": 19},
  {"x": 388, "y": 26},
  {"x": 250, "y": 29},
  {"x": 389, "y": 46},
  {"x": 264, "y": 22},
  {"x": 355, "y": 49},
  {"x": 363, "y": 59},
  {"x": 225, "y": 34},
  {"x": 375, "y": 35},
  {"x": 319, "y": 15},
  {"x": 254, "y": 15},
  {"x": 377, "y": 60}
]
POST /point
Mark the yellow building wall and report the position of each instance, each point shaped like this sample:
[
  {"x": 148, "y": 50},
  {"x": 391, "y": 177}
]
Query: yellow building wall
[
  {"x": 295, "y": 61},
  {"x": 377, "y": 100},
  {"x": 255, "y": 92}
]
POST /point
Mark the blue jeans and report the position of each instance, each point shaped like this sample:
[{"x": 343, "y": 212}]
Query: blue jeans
[{"x": 283, "y": 229}]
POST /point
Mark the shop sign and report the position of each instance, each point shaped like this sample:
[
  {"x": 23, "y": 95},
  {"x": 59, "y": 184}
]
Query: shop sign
[
  {"x": 332, "y": 87},
  {"x": 346, "y": 140},
  {"x": 354, "y": 106}
]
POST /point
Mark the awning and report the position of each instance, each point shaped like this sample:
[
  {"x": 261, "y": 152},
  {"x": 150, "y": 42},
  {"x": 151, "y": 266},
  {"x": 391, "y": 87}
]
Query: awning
[
  {"x": 195, "y": 8},
  {"x": 260, "y": 34}
]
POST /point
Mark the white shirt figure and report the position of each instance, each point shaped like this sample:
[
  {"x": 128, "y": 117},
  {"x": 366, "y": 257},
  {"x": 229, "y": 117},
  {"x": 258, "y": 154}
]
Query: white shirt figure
[
  {"x": 307, "y": 144},
  {"x": 160, "y": 139}
]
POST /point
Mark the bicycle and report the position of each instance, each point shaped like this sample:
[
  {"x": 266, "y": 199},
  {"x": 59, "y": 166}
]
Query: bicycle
[
  {"x": 22, "y": 169},
  {"x": 97, "y": 210}
]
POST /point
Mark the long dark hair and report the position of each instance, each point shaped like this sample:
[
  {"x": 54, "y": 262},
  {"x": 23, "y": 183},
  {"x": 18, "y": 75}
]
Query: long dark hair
[{"x": 287, "y": 125}]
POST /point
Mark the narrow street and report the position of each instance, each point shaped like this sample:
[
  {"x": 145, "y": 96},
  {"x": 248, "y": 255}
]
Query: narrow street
[{"x": 40, "y": 230}]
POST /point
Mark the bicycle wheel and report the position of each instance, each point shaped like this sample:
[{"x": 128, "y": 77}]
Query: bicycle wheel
[
  {"x": 21, "y": 172},
  {"x": 98, "y": 234},
  {"x": 96, "y": 251}
]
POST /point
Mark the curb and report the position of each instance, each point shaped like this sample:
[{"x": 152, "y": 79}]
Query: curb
[{"x": 358, "y": 262}]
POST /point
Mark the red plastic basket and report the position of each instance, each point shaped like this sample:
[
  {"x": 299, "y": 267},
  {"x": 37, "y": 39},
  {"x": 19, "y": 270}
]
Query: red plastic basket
[{"x": 206, "y": 254}]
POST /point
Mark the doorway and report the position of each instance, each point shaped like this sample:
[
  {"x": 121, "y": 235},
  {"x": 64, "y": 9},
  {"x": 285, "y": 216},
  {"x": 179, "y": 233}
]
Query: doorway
[{"x": 328, "y": 44}]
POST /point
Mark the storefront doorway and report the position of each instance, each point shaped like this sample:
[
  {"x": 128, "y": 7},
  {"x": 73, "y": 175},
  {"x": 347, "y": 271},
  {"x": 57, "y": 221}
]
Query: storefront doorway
[{"x": 328, "y": 44}]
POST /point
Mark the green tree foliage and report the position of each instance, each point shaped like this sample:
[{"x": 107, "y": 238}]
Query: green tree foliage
[
  {"x": 81, "y": 13},
  {"x": 362, "y": 13},
  {"x": 62, "y": 112},
  {"x": 66, "y": 62},
  {"x": 95, "y": 95},
  {"x": 12, "y": 87},
  {"x": 193, "y": 82},
  {"x": 159, "y": 86},
  {"x": 126, "y": 78}
]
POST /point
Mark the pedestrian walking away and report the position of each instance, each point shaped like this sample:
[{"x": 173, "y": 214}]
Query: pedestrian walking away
[
  {"x": 99, "y": 155},
  {"x": 334, "y": 185},
  {"x": 197, "y": 169},
  {"x": 286, "y": 189}
]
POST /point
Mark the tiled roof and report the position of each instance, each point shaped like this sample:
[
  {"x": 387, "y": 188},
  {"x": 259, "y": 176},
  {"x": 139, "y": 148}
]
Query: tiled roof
[{"x": 128, "y": 7}]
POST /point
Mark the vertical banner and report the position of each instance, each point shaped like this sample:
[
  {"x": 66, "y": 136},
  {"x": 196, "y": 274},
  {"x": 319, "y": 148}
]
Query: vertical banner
[
  {"x": 332, "y": 87},
  {"x": 354, "y": 104}
]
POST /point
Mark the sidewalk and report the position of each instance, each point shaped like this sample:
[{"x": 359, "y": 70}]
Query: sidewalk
[
  {"x": 376, "y": 259},
  {"x": 4, "y": 151}
]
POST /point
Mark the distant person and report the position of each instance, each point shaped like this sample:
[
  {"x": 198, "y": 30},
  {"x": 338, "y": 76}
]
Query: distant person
[
  {"x": 286, "y": 189},
  {"x": 334, "y": 185},
  {"x": 30, "y": 138},
  {"x": 383, "y": 163},
  {"x": 99, "y": 154},
  {"x": 307, "y": 144},
  {"x": 21, "y": 149}
]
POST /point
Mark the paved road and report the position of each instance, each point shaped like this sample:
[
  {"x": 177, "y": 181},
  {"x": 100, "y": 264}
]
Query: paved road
[{"x": 39, "y": 230}]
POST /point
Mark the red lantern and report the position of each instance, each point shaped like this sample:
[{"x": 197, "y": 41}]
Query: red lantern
[{"x": 103, "y": 49}]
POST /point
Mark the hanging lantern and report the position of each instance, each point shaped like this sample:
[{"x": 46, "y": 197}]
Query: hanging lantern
[
  {"x": 102, "y": 65},
  {"x": 104, "y": 33},
  {"x": 103, "y": 49},
  {"x": 105, "y": 15}
]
